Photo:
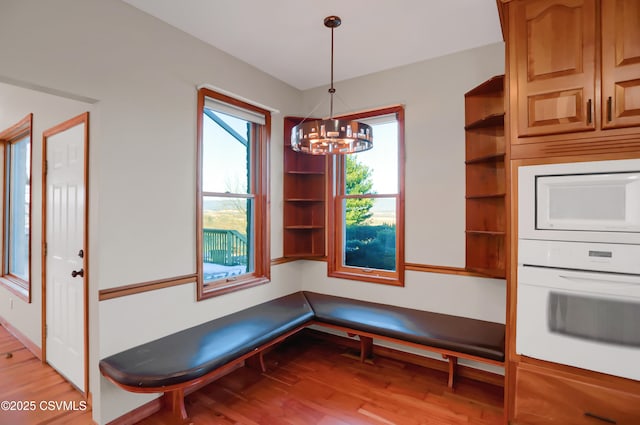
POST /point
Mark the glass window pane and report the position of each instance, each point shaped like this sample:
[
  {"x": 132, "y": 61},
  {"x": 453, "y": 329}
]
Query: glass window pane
[
  {"x": 18, "y": 214},
  {"x": 227, "y": 237},
  {"x": 375, "y": 170},
  {"x": 225, "y": 153},
  {"x": 370, "y": 233}
]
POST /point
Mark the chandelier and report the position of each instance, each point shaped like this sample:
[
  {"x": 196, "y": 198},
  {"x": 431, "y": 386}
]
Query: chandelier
[{"x": 331, "y": 136}]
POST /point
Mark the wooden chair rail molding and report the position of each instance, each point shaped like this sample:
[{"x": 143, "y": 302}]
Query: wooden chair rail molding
[{"x": 136, "y": 288}]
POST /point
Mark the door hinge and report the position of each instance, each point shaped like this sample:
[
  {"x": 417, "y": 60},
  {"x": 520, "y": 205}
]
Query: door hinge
[
  {"x": 46, "y": 331},
  {"x": 46, "y": 166},
  {"x": 45, "y": 249}
]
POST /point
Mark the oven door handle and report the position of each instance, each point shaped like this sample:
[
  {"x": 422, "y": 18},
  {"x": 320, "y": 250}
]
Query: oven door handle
[{"x": 608, "y": 281}]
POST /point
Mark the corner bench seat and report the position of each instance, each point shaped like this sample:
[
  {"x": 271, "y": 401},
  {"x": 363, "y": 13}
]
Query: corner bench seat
[
  {"x": 180, "y": 361},
  {"x": 453, "y": 333}
]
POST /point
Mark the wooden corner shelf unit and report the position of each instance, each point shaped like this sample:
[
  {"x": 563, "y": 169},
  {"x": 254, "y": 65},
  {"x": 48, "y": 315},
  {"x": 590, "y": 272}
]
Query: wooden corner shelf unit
[
  {"x": 485, "y": 178},
  {"x": 304, "y": 200}
]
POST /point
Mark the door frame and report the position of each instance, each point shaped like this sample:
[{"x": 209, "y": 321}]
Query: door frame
[{"x": 80, "y": 119}]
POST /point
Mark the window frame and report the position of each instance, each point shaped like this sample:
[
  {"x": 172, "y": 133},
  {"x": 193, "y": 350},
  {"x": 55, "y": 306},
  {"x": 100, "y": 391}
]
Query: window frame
[
  {"x": 336, "y": 219},
  {"x": 12, "y": 135},
  {"x": 259, "y": 165}
]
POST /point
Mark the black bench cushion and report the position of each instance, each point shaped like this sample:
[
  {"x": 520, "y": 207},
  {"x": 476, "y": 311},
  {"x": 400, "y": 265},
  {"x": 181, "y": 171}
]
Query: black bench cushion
[
  {"x": 470, "y": 336},
  {"x": 194, "y": 352}
]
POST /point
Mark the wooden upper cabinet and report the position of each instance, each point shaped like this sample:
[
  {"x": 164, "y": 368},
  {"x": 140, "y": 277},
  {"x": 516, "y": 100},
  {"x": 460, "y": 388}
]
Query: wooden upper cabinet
[
  {"x": 620, "y": 63},
  {"x": 555, "y": 61}
]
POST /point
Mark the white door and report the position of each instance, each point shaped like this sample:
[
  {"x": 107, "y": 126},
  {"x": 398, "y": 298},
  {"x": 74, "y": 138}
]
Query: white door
[{"x": 65, "y": 257}]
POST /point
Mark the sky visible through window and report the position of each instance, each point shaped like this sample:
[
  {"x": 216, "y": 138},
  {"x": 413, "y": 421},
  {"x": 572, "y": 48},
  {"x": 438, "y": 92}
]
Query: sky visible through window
[
  {"x": 382, "y": 159},
  {"x": 224, "y": 158}
]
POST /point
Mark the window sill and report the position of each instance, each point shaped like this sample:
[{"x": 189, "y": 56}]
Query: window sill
[
  {"x": 214, "y": 289},
  {"x": 15, "y": 287},
  {"x": 368, "y": 277}
]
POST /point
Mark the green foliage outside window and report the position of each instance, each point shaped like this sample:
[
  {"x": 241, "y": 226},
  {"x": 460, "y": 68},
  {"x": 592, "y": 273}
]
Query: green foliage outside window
[
  {"x": 367, "y": 245},
  {"x": 358, "y": 181}
]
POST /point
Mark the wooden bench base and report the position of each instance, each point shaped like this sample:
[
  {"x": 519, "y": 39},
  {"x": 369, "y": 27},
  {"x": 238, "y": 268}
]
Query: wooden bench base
[{"x": 366, "y": 350}]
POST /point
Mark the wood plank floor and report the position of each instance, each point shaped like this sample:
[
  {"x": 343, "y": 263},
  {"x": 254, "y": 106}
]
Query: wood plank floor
[
  {"x": 44, "y": 396},
  {"x": 310, "y": 381}
]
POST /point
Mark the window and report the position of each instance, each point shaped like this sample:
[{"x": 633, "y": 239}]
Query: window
[
  {"x": 16, "y": 258},
  {"x": 368, "y": 205},
  {"x": 233, "y": 146}
]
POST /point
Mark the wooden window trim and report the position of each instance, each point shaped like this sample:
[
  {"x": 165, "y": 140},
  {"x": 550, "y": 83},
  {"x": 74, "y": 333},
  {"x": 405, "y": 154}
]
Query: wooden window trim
[
  {"x": 260, "y": 183},
  {"x": 335, "y": 267},
  {"x": 13, "y": 134}
]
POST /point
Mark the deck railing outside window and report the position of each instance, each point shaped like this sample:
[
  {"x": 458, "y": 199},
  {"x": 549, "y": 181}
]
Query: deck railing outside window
[{"x": 226, "y": 247}]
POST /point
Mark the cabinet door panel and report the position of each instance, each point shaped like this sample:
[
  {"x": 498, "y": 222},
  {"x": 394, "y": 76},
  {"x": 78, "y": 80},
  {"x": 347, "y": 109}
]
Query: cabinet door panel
[
  {"x": 620, "y": 63},
  {"x": 547, "y": 399},
  {"x": 555, "y": 57}
]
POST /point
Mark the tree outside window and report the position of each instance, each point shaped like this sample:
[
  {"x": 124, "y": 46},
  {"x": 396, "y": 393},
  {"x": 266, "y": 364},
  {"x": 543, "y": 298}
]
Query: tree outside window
[{"x": 367, "y": 218}]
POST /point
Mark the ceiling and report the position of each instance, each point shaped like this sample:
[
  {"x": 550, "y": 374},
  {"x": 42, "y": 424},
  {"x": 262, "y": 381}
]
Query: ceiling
[{"x": 288, "y": 40}]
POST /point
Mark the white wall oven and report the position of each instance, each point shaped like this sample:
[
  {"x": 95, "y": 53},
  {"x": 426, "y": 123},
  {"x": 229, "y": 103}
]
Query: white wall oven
[{"x": 579, "y": 265}]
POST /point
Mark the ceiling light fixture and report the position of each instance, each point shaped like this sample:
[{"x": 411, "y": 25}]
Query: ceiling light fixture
[{"x": 331, "y": 136}]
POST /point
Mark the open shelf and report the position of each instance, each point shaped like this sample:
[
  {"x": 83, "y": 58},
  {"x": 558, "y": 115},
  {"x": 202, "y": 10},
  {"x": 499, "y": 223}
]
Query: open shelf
[
  {"x": 485, "y": 155},
  {"x": 492, "y": 120},
  {"x": 487, "y": 158},
  {"x": 304, "y": 214}
]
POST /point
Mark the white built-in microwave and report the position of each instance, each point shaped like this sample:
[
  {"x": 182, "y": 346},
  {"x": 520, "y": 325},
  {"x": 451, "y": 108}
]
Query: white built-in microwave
[{"x": 597, "y": 201}]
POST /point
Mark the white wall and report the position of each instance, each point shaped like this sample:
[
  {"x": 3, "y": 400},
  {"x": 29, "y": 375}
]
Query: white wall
[{"x": 144, "y": 74}]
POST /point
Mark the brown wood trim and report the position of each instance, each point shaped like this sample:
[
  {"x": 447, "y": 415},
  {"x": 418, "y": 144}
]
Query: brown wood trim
[
  {"x": 260, "y": 190},
  {"x": 282, "y": 260},
  {"x": 137, "y": 288},
  {"x": 75, "y": 121},
  {"x": 19, "y": 129},
  {"x": 15, "y": 133},
  {"x": 16, "y": 289},
  {"x": 22, "y": 338},
  {"x": 460, "y": 271},
  {"x": 139, "y": 413},
  {"x": 416, "y": 267},
  {"x": 335, "y": 242}
]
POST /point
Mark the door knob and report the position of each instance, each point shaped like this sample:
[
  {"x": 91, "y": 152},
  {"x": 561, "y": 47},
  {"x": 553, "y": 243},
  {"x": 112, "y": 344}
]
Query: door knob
[{"x": 77, "y": 273}]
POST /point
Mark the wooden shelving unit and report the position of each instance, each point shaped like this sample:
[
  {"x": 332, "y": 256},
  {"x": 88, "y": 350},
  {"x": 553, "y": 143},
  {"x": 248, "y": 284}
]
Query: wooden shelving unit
[
  {"x": 485, "y": 178},
  {"x": 304, "y": 198}
]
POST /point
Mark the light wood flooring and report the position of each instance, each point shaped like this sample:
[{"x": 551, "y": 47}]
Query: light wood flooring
[
  {"x": 44, "y": 396},
  {"x": 310, "y": 381}
]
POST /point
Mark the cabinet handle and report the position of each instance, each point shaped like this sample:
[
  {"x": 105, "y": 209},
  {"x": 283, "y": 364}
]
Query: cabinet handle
[
  {"x": 600, "y": 418},
  {"x": 589, "y": 111},
  {"x": 609, "y": 109}
]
